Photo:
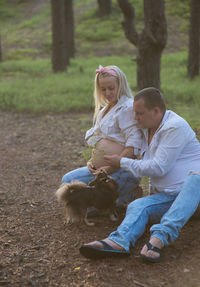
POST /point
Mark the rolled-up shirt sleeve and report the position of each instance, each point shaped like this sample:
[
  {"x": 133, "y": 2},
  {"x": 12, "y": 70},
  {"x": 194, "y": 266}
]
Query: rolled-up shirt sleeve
[
  {"x": 89, "y": 133},
  {"x": 128, "y": 128},
  {"x": 163, "y": 158},
  {"x": 94, "y": 134}
]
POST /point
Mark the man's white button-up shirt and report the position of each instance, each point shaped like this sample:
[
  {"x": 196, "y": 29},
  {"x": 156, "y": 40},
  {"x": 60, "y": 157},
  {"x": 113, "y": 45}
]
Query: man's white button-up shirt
[{"x": 174, "y": 151}]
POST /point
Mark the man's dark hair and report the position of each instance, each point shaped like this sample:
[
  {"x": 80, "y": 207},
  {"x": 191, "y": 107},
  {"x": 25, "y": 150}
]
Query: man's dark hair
[{"x": 152, "y": 98}]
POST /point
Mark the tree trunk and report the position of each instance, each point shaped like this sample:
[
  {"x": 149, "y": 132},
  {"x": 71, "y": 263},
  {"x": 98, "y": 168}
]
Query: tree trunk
[
  {"x": 62, "y": 33},
  {"x": 105, "y": 7},
  {"x": 150, "y": 42},
  {"x": 69, "y": 17},
  {"x": 194, "y": 39}
]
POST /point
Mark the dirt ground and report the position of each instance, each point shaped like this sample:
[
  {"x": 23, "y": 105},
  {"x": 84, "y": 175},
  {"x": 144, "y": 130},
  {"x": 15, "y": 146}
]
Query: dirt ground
[{"x": 37, "y": 247}]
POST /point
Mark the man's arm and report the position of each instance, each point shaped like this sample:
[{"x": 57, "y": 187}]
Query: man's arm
[
  {"x": 168, "y": 150},
  {"x": 128, "y": 152}
]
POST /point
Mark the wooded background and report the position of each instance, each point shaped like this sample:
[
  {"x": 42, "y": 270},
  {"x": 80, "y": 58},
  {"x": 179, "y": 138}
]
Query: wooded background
[{"x": 150, "y": 42}]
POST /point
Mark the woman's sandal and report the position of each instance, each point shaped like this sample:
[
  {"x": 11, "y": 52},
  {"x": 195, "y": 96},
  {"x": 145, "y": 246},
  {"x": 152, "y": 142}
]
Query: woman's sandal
[
  {"x": 93, "y": 252},
  {"x": 153, "y": 248}
]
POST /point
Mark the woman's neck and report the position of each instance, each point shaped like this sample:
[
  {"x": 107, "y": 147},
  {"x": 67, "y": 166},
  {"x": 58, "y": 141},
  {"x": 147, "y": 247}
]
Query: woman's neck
[
  {"x": 112, "y": 104},
  {"x": 109, "y": 107}
]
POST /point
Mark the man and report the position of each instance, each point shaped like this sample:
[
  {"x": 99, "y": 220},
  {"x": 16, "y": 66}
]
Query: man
[{"x": 170, "y": 151}]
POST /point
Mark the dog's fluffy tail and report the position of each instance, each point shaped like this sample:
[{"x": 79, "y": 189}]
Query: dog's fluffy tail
[
  {"x": 62, "y": 192},
  {"x": 66, "y": 189}
]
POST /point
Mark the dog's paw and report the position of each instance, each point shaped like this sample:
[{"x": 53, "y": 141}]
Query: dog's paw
[
  {"x": 71, "y": 220},
  {"x": 68, "y": 220}
]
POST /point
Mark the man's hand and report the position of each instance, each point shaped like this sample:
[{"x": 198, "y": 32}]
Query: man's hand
[{"x": 113, "y": 160}]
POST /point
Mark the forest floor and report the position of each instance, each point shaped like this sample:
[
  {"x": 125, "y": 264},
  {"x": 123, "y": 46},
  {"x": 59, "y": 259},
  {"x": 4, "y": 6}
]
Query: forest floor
[{"x": 37, "y": 248}]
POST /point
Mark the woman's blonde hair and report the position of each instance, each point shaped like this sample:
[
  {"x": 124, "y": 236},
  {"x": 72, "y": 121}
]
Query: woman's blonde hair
[{"x": 123, "y": 90}]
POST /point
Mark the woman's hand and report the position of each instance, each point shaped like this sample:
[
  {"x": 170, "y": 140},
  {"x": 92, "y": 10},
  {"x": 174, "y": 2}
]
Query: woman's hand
[
  {"x": 113, "y": 160},
  {"x": 91, "y": 168}
]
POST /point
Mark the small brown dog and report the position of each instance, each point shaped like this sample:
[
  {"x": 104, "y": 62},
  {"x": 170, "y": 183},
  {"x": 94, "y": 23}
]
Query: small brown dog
[{"x": 100, "y": 193}]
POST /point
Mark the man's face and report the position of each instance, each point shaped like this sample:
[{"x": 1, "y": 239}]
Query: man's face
[{"x": 145, "y": 117}]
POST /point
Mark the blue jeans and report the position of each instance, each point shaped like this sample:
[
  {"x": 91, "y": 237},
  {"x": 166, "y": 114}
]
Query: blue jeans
[
  {"x": 172, "y": 211},
  {"x": 126, "y": 182}
]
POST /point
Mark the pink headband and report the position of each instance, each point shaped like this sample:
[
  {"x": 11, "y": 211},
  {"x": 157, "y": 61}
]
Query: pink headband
[{"x": 106, "y": 70}]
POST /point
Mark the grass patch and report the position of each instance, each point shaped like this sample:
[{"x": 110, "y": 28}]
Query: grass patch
[
  {"x": 28, "y": 85},
  {"x": 178, "y": 8},
  {"x": 31, "y": 86},
  {"x": 176, "y": 85},
  {"x": 6, "y": 11},
  {"x": 91, "y": 28},
  {"x": 27, "y": 27},
  {"x": 99, "y": 30},
  {"x": 22, "y": 53}
]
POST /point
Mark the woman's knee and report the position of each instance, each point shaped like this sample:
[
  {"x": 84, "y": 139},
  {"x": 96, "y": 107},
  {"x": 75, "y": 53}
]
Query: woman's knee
[
  {"x": 72, "y": 175},
  {"x": 80, "y": 174},
  {"x": 66, "y": 178}
]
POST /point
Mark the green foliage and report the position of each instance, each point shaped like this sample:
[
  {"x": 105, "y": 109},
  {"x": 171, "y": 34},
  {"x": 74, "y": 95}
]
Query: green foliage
[
  {"x": 87, "y": 152},
  {"x": 178, "y": 7},
  {"x": 24, "y": 68},
  {"x": 32, "y": 23},
  {"x": 95, "y": 29},
  {"x": 99, "y": 30},
  {"x": 20, "y": 54},
  {"x": 139, "y": 9},
  {"x": 6, "y": 11},
  {"x": 176, "y": 84},
  {"x": 31, "y": 86},
  {"x": 24, "y": 32},
  {"x": 91, "y": 28},
  {"x": 27, "y": 85},
  {"x": 181, "y": 94},
  {"x": 31, "y": 32}
]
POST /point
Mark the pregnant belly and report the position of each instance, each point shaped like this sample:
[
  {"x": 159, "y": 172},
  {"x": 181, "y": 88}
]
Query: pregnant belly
[{"x": 105, "y": 147}]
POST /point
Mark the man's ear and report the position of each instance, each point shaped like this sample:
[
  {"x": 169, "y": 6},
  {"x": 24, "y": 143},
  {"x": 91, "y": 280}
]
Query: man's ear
[{"x": 157, "y": 110}]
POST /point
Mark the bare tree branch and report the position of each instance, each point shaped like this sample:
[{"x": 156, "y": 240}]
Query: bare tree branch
[
  {"x": 128, "y": 23},
  {"x": 150, "y": 42}
]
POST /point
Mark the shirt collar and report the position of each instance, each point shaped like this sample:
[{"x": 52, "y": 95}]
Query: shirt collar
[
  {"x": 121, "y": 101},
  {"x": 119, "y": 104},
  {"x": 164, "y": 119}
]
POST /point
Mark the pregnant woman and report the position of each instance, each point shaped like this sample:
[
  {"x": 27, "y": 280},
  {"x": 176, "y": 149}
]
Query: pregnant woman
[{"x": 114, "y": 132}]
